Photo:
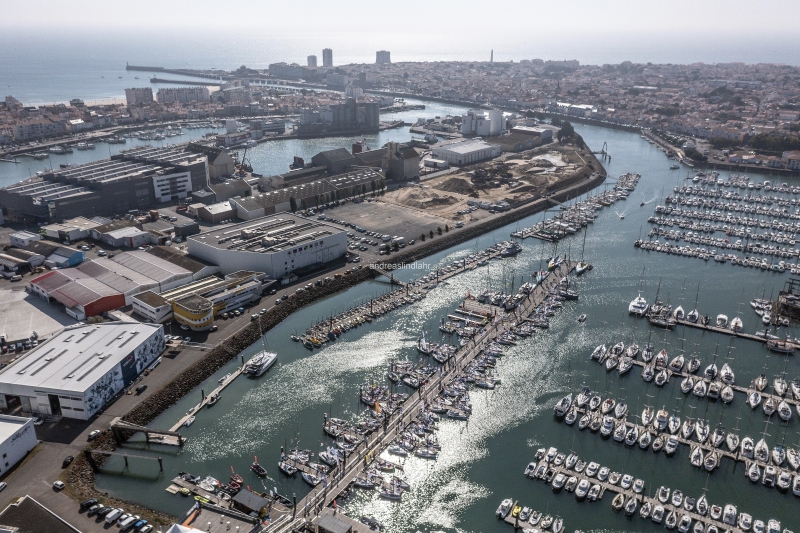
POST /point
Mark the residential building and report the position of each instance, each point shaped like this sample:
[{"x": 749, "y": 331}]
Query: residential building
[
  {"x": 139, "y": 96},
  {"x": 77, "y": 371},
  {"x": 791, "y": 159},
  {"x": 382, "y": 57},
  {"x": 327, "y": 57},
  {"x": 312, "y": 61},
  {"x": 184, "y": 95}
]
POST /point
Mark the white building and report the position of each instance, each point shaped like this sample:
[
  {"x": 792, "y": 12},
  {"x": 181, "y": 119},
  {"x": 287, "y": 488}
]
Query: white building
[
  {"x": 465, "y": 152},
  {"x": 21, "y": 239},
  {"x": 17, "y": 439},
  {"x": 276, "y": 245},
  {"x": 139, "y": 96},
  {"x": 77, "y": 371},
  {"x": 482, "y": 123},
  {"x": 353, "y": 91},
  {"x": 183, "y": 95},
  {"x": 168, "y": 186}
]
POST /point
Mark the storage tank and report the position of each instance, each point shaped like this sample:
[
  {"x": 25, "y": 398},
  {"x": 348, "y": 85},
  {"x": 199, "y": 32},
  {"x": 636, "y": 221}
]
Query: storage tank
[
  {"x": 467, "y": 127},
  {"x": 483, "y": 127},
  {"x": 496, "y": 116}
]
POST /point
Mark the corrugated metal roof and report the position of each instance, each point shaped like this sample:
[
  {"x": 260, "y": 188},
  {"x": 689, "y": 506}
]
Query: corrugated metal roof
[
  {"x": 82, "y": 292},
  {"x": 57, "y": 278},
  {"x": 151, "y": 266},
  {"x": 74, "y": 359}
]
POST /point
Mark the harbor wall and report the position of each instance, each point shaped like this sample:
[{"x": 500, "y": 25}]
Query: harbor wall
[{"x": 82, "y": 474}]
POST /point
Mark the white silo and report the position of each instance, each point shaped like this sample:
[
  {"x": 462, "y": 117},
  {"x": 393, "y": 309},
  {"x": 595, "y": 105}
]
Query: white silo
[
  {"x": 467, "y": 126},
  {"x": 496, "y": 117}
]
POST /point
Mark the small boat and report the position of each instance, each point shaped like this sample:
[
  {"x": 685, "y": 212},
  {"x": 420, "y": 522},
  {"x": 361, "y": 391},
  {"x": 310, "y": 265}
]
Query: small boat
[
  {"x": 212, "y": 399},
  {"x": 287, "y": 468},
  {"x": 618, "y": 502},
  {"x": 582, "y": 318},
  {"x": 258, "y": 469},
  {"x": 189, "y": 421},
  {"x": 311, "y": 479}
]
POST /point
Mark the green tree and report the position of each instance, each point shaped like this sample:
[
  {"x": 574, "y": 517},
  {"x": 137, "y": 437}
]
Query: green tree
[
  {"x": 292, "y": 204},
  {"x": 422, "y": 237},
  {"x": 439, "y": 230},
  {"x": 431, "y": 233},
  {"x": 566, "y": 131},
  {"x": 363, "y": 189},
  {"x": 691, "y": 153},
  {"x": 372, "y": 184},
  {"x": 446, "y": 228}
]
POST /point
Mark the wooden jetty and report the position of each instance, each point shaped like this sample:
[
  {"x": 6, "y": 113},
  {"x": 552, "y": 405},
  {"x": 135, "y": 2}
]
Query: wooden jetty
[
  {"x": 194, "y": 410},
  {"x": 735, "y": 456},
  {"x": 341, "y": 477},
  {"x": 641, "y": 498}
]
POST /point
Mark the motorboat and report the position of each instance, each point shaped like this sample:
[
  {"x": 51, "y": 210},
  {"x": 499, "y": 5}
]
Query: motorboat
[
  {"x": 189, "y": 421},
  {"x": 582, "y": 489},
  {"x": 658, "y": 443},
  {"x": 729, "y": 514},
  {"x": 661, "y": 421},
  {"x": 658, "y": 514},
  {"x": 608, "y": 426},
  {"x": 563, "y": 406},
  {"x": 753, "y": 472},
  {"x": 736, "y": 324},
  {"x": 722, "y": 321},
  {"x": 663, "y": 494},
  {"x": 647, "y": 508},
  {"x": 626, "y": 481},
  {"x": 504, "y": 509},
  {"x": 213, "y": 398},
  {"x": 748, "y": 448},
  {"x": 684, "y": 523}
]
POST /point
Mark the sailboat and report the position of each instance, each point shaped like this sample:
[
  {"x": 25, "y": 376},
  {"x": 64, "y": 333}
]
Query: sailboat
[{"x": 582, "y": 265}]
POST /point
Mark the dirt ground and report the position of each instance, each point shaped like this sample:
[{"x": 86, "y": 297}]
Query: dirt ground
[{"x": 514, "y": 178}]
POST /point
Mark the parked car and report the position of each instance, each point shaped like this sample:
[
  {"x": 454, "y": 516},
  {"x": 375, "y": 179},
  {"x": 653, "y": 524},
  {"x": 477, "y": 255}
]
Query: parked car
[
  {"x": 95, "y": 509},
  {"x": 140, "y": 389},
  {"x": 38, "y": 421},
  {"x": 58, "y": 485},
  {"x": 85, "y": 504},
  {"x": 93, "y": 435},
  {"x": 66, "y": 462},
  {"x": 3, "y": 485}
]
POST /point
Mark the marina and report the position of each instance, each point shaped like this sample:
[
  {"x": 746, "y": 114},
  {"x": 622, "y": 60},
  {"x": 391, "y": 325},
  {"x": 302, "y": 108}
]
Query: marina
[{"x": 535, "y": 373}]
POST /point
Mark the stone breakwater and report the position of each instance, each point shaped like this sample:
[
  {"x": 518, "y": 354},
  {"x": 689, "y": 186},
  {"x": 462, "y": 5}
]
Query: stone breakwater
[{"x": 82, "y": 474}]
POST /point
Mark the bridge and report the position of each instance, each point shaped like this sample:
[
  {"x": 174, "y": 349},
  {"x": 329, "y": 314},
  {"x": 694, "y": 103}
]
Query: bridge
[
  {"x": 388, "y": 274},
  {"x": 159, "y": 436}
]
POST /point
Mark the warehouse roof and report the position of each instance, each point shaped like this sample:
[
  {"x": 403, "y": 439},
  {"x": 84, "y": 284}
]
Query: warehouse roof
[
  {"x": 83, "y": 292},
  {"x": 26, "y": 515},
  {"x": 57, "y": 278},
  {"x": 75, "y": 358},
  {"x": 192, "y": 264},
  {"x": 151, "y": 266}
]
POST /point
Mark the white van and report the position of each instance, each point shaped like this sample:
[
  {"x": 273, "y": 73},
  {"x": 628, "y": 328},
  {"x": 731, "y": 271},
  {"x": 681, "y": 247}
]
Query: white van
[{"x": 113, "y": 515}]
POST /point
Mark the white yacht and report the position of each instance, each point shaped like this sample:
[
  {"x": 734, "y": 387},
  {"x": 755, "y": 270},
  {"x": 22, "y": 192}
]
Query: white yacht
[
  {"x": 260, "y": 363},
  {"x": 638, "y": 306}
]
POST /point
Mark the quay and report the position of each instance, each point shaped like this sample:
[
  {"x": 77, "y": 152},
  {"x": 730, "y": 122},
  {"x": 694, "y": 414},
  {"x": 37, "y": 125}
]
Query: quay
[
  {"x": 309, "y": 508},
  {"x": 640, "y": 498}
]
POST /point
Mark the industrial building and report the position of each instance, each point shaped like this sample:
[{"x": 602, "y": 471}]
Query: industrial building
[
  {"x": 220, "y": 162},
  {"x": 465, "y": 152},
  {"x": 515, "y": 142},
  {"x": 350, "y": 116},
  {"x": 396, "y": 161},
  {"x": 197, "y": 304},
  {"x": 482, "y": 123},
  {"x": 103, "y": 285},
  {"x": 307, "y": 194},
  {"x": 546, "y": 134},
  {"x": 17, "y": 439},
  {"x": 26, "y": 515},
  {"x": 21, "y": 239},
  {"x": 134, "y": 179},
  {"x": 74, "y": 229},
  {"x": 56, "y": 255},
  {"x": 276, "y": 245},
  {"x": 80, "y": 369}
]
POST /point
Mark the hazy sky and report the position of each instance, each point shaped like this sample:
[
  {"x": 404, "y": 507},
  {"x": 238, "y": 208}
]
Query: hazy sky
[{"x": 574, "y": 19}]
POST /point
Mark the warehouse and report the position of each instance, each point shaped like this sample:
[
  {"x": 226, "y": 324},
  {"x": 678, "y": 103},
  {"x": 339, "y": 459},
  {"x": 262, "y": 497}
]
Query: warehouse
[
  {"x": 276, "y": 245},
  {"x": 17, "y": 439},
  {"x": 80, "y": 369},
  {"x": 21, "y": 239},
  {"x": 465, "y": 152},
  {"x": 212, "y": 296}
]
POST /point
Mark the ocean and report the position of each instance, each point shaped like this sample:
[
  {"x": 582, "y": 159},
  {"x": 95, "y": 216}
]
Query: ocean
[{"x": 47, "y": 67}]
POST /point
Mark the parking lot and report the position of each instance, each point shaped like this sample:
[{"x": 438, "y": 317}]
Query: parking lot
[{"x": 23, "y": 313}]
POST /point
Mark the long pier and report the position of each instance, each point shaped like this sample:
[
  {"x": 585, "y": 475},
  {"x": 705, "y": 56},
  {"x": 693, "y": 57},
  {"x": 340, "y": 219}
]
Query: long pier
[
  {"x": 729, "y": 331},
  {"x": 194, "y": 410},
  {"x": 641, "y": 499},
  {"x": 341, "y": 477},
  {"x": 734, "y": 456}
]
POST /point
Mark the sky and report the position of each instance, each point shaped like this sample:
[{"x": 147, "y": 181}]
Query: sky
[{"x": 582, "y": 19}]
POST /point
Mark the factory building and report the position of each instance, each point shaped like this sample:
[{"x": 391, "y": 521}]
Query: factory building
[
  {"x": 134, "y": 179},
  {"x": 197, "y": 304},
  {"x": 74, "y": 229},
  {"x": 482, "y": 123},
  {"x": 276, "y": 245},
  {"x": 80, "y": 369},
  {"x": 306, "y": 195},
  {"x": 465, "y": 152}
]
